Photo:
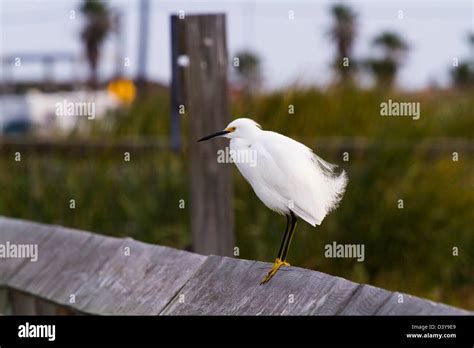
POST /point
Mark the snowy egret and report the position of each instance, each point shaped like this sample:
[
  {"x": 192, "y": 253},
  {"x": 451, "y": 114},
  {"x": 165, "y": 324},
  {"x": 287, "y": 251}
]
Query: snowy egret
[{"x": 287, "y": 177}]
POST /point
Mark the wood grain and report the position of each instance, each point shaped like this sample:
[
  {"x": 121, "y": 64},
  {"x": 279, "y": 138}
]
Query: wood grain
[
  {"x": 229, "y": 286},
  {"x": 123, "y": 276},
  {"x": 95, "y": 274},
  {"x": 207, "y": 108}
]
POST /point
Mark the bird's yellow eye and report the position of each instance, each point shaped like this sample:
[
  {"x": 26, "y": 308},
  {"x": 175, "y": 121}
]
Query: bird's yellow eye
[{"x": 230, "y": 129}]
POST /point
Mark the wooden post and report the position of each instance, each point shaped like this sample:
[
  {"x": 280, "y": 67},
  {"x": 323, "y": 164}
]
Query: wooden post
[
  {"x": 5, "y": 307},
  {"x": 45, "y": 307},
  {"x": 22, "y": 304},
  {"x": 207, "y": 109}
]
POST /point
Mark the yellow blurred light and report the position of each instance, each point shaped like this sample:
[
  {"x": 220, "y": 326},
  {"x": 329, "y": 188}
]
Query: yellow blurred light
[{"x": 123, "y": 89}]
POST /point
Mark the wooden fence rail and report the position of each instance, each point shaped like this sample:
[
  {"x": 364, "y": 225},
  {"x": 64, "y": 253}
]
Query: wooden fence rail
[
  {"x": 78, "y": 272},
  {"x": 10, "y": 145}
]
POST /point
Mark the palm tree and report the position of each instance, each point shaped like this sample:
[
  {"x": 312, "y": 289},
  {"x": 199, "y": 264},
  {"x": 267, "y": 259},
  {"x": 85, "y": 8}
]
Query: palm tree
[
  {"x": 393, "y": 46},
  {"x": 249, "y": 72},
  {"x": 343, "y": 32},
  {"x": 98, "y": 25},
  {"x": 470, "y": 39},
  {"x": 394, "y": 50},
  {"x": 463, "y": 74}
]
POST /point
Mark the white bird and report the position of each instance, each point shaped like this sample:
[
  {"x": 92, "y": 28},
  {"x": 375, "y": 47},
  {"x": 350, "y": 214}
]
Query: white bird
[{"x": 285, "y": 175}]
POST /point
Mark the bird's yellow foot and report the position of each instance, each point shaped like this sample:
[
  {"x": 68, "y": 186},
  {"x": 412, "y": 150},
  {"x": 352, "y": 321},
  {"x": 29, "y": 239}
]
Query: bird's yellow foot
[{"x": 276, "y": 266}]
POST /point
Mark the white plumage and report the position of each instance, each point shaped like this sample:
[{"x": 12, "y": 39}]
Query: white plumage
[{"x": 286, "y": 174}]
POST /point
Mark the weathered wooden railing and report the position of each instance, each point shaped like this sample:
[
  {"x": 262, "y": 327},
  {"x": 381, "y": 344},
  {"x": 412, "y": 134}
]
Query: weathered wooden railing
[{"x": 78, "y": 272}]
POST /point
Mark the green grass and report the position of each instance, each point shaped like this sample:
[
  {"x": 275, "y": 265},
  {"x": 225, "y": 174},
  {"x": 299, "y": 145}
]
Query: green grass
[
  {"x": 137, "y": 198},
  {"x": 353, "y": 112}
]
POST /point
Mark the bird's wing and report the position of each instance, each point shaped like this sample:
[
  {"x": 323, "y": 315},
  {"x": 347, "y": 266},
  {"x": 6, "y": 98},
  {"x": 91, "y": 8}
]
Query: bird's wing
[{"x": 304, "y": 180}]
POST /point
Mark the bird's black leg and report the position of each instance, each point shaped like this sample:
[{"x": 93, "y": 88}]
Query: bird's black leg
[
  {"x": 283, "y": 242},
  {"x": 280, "y": 261},
  {"x": 290, "y": 236}
]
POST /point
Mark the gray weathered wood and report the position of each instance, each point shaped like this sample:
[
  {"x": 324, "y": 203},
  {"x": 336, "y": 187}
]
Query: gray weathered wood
[
  {"x": 122, "y": 276},
  {"x": 92, "y": 273},
  {"x": 230, "y": 286},
  {"x": 20, "y": 232},
  {"x": 366, "y": 301},
  {"x": 142, "y": 283},
  {"x": 67, "y": 259},
  {"x": 413, "y": 305},
  {"x": 207, "y": 108}
]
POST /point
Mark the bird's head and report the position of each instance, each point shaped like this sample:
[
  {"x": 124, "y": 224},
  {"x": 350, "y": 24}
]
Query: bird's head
[{"x": 240, "y": 128}]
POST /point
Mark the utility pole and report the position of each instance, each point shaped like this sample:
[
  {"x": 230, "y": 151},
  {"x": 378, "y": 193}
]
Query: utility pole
[
  {"x": 177, "y": 83},
  {"x": 143, "y": 44},
  {"x": 119, "y": 42}
]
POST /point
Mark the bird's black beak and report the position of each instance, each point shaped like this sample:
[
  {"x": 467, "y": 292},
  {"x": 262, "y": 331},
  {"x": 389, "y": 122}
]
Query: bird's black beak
[{"x": 214, "y": 135}]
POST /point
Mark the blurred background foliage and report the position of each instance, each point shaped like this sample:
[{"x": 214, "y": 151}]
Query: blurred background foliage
[
  {"x": 409, "y": 249},
  {"x": 390, "y": 159}
]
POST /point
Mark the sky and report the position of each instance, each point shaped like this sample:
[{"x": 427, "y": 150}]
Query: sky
[{"x": 297, "y": 50}]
